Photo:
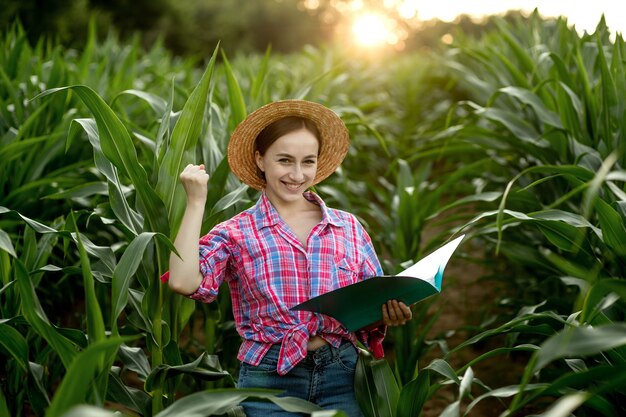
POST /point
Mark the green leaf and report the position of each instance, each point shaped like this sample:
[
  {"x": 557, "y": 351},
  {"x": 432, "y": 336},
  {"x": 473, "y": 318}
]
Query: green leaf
[
  {"x": 230, "y": 199},
  {"x": 35, "y": 225},
  {"x": 563, "y": 236},
  {"x": 376, "y": 388},
  {"x": 387, "y": 389},
  {"x": 519, "y": 127},
  {"x": 37, "y": 392},
  {"x": 364, "y": 387},
  {"x": 260, "y": 78},
  {"x": 131, "y": 398},
  {"x": 135, "y": 359},
  {"x": 442, "y": 367},
  {"x": 95, "y": 322},
  {"x": 77, "y": 382},
  {"x": 205, "y": 367},
  {"x": 117, "y": 145},
  {"x": 505, "y": 392},
  {"x": 36, "y": 317},
  {"x": 6, "y": 244},
  {"x": 235, "y": 97},
  {"x": 612, "y": 225},
  {"x": 182, "y": 147},
  {"x": 452, "y": 410},
  {"x": 565, "y": 405},
  {"x": 89, "y": 411},
  {"x": 529, "y": 98},
  {"x": 466, "y": 383},
  {"x": 597, "y": 292},
  {"x": 517, "y": 324},
  {"x": 87, "y": 189},
  {"x": 592, "y": 193},
  {"x": 580, "y": 341},
  {"x": 598, "y": 380},
  {"x": 219, "y": 401},
  {"x": 123, "y": 274},
  {"x": 4, "y": 408},
  {"x": 155, "y": 102},
  {"x": 329, "y": 413},
  {"x": 15, "y": 344},
  {"x": 413, "y": 396},
  {"x": 124, "y": 213}
]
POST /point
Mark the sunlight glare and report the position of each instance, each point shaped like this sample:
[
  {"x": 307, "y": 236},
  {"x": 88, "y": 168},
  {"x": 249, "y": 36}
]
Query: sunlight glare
[{"x": 372, "y": 29}]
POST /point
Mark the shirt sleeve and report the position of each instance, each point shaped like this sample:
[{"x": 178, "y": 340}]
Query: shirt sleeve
[
  {"x": 215, "y": 256},
  {"x": 370, "y": 267}
]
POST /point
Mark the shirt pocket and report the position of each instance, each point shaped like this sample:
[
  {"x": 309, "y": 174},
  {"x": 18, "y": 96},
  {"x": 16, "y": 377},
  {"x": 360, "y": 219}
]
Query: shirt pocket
[{"x": 346, "y": 271}]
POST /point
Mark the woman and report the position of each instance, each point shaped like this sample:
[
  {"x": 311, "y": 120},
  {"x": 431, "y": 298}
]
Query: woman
[{"x": 286, "y": 249}]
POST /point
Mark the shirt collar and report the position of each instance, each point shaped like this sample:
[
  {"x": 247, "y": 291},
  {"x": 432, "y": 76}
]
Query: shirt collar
[{"x": 266, "y": 215}]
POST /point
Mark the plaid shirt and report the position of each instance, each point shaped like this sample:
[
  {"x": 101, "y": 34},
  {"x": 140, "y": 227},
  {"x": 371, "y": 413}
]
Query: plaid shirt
[{"x": 269, "y": 271}]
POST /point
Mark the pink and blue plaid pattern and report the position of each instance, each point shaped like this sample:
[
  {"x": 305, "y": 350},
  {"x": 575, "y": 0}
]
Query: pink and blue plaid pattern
[{"x": 269, "y": 271}]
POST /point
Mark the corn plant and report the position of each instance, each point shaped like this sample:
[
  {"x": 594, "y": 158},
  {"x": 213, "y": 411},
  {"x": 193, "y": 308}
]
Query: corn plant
[{"x": 545, "y": 105}]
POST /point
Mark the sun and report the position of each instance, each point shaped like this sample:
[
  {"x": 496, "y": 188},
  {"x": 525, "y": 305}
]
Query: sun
[{"x": 372, "y": 29}]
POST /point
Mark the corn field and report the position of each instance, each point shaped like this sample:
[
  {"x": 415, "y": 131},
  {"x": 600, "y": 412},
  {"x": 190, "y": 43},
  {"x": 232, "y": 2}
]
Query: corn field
[{"x": 516, "y": 139}]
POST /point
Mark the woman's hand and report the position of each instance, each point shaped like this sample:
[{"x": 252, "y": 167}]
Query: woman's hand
[
  {"x": 194, "y": 179},
  {"x": 396, "y": 313}
]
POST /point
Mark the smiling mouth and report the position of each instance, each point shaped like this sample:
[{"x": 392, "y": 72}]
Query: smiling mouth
[{"x": 292, "y": 186}]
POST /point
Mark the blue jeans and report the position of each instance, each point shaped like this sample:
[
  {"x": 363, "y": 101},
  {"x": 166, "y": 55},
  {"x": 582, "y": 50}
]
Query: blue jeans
[{"x": 325, "y": 377}]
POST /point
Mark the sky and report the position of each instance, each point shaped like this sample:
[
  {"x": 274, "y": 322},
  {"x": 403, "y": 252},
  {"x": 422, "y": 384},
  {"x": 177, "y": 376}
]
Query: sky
[{"x": 584, "y": 14}]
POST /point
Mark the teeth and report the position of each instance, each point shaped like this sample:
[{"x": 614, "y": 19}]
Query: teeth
[{"x": 292, "y": 186}]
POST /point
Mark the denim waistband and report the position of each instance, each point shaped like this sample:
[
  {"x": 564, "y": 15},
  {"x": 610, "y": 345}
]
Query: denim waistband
[{"x": 326, "y": 353}]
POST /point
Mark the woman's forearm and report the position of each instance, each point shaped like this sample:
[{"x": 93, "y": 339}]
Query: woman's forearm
[{"x": 185, "y": 276}]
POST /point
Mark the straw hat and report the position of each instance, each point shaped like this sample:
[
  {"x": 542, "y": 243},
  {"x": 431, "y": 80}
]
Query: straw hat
[{"x": 334, "y": 138}]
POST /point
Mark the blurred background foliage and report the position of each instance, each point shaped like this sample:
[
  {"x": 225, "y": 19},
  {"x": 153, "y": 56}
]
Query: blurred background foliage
[{"x": 193, "y": 27}]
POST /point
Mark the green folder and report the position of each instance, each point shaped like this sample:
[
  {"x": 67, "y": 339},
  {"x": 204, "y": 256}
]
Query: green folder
[{"x": 360, "y": 304}]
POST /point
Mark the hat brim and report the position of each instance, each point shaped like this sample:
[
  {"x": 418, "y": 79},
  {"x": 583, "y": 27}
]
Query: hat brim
[{"x": 334, "y": 138}]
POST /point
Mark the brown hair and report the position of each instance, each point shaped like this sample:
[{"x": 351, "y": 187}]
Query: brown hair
[{"x": 272, "y": 132}]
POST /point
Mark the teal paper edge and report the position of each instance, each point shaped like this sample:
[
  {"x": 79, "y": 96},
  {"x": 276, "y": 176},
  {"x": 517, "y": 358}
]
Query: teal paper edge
[{"x": 439, "y": 277}]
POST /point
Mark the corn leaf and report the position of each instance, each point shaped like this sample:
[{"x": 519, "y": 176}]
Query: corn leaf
[
  {"x": 124, "y": 213},
  {"x": 77, "y": 382},
  {"x": 580, "y": 341},
  {"x": 205, "y": 367},
  {"x": 15, "y": 344},
  {"x": 95, "y": 322},
  {"x": 182, "y": 148},
  {"x": 219, "y": 401},
  {"x": 260, "y": 80},
  {"x": 118, "y": 147},
  {"x": 6, "y": 244},
  {"x": 235, "y": 96},
  {"x": 597, "y": 292},
  {"x": 364, "y": 387},
  {"x": 36, "y": 317},
  {"x": 89, "y": 411},
  {"x": 413, "y": 396},
  {"x": 123, "y": 274},
  {"x": 529, "y": 98},
  {"x": 4, "y": 408},
  {"x": 134, "y": 399},
  {"x": 613, "y": 230}
]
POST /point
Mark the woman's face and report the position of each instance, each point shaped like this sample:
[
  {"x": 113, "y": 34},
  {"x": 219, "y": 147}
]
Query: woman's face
[{"x": 290, "y": 165}]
